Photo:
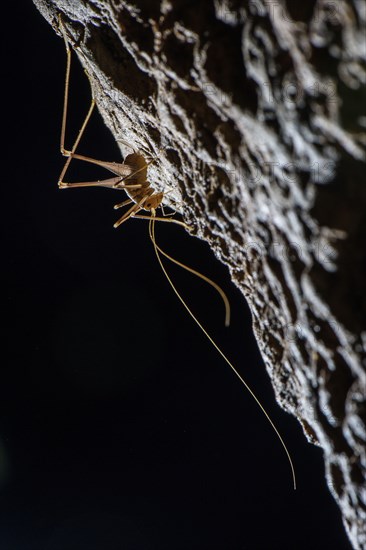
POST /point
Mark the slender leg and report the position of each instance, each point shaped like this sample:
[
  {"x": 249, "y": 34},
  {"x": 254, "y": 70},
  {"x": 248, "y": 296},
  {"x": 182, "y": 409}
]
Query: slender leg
[
  {"x": 118, "y": 168},
  {"x": 175, "y": 203},
  {"x": 121, "y": 204},
  {"x": 156, "y": 218},
  {"x": 166, "y": 214},
  {"x": 66, "y": 90},
  {"x": 135, "y": 208},
  {"x": 112, "y": 183},
  {"x": 71, "y": 153}
]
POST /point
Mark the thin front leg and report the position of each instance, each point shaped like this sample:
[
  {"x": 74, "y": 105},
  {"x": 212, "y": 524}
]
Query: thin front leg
[
  {"x": 135, "y": 208},
  {"x": 122, "y": 204},
  {"x": 166, "y": 214},
  {"x": 175, "y": 203}
]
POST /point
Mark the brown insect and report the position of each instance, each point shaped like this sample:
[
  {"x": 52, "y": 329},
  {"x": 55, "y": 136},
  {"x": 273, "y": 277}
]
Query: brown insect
[{"x": 131, "y": 177}]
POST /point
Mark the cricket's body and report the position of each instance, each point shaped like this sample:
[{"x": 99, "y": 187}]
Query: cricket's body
[
  {"x": 146, "y": 196},
  {"x": 131, "y": 175}
]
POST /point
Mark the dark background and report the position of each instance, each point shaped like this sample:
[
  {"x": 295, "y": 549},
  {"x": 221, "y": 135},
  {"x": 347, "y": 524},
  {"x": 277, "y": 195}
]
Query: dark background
[{"x": 120, "y": 426}]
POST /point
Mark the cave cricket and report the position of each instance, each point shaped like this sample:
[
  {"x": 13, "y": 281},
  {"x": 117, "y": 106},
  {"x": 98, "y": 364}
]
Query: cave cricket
[{"x": 131, "y": 177}]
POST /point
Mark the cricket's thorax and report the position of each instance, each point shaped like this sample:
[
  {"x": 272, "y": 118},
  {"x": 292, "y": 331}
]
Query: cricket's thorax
[{"x": 138, "y": 176}]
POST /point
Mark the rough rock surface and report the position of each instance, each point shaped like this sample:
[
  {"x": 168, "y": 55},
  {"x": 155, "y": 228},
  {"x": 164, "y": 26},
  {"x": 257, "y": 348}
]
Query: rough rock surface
[{"x": 258, "y": 108}]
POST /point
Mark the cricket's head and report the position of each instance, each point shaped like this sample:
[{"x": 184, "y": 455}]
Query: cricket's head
[{"x": 153, "y": 202}]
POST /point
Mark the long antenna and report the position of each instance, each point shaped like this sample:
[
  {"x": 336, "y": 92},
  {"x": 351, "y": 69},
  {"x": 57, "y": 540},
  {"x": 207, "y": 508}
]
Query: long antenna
[
  {"x": 157, "y": 250},
  {"x": 204, "y": 278}
]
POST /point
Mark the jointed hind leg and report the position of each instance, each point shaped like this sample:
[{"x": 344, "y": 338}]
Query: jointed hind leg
[
  {"x": 65, "y": 152},
  {"x": 123, "y": 171}
]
